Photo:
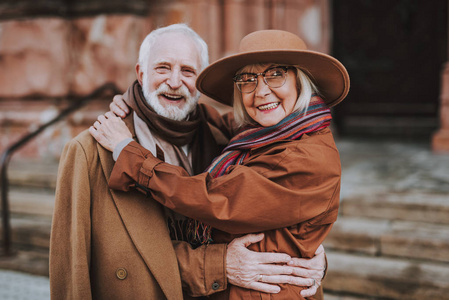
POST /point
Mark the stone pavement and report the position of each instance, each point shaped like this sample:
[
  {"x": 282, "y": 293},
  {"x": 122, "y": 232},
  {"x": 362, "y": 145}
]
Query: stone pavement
[
  {"x": 21, "y": 286},
  {"x": 394, "y": 167}
]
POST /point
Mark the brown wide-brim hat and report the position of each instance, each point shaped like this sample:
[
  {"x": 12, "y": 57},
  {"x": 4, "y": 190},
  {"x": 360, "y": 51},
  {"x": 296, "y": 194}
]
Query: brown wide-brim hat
[{"x": 279, "y": 47}]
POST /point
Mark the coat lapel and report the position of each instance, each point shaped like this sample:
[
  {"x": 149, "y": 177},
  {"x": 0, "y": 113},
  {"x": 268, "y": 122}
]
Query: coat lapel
[{"x": 145, "y": 223}]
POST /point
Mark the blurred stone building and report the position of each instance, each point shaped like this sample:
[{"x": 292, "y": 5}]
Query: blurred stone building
[{"x": 395, "y": 52}]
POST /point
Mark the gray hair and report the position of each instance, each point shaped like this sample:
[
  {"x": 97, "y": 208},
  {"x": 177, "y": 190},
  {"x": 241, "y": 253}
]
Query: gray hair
[
  {"x": 151, "y": 38},
  {"x": 305, "y": 86}
]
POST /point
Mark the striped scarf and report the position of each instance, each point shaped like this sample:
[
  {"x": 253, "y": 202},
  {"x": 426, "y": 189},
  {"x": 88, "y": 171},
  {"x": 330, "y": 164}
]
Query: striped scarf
[{"x": 292, "y": 127}]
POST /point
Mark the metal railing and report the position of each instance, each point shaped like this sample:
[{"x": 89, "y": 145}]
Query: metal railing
[{"x": 77, "y": 103}]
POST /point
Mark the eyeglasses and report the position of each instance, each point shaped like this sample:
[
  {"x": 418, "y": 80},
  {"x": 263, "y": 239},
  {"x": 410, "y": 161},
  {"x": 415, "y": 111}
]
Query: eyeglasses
[{"x": 273, "y": 77}]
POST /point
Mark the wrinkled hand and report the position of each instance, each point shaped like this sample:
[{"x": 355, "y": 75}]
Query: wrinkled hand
[
  {"x": 118, "y": 106},
  {"x": 311, "y": 268},
  {"x": 260, "y": 271},
  {"x": 109, "y": 130}
]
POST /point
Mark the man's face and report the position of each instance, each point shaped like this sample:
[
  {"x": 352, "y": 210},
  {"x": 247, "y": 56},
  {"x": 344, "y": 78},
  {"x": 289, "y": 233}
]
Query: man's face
[{"x": 169, "y": 84}]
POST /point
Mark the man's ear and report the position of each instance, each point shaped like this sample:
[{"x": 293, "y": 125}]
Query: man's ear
[{"x": 139, "y": 73}]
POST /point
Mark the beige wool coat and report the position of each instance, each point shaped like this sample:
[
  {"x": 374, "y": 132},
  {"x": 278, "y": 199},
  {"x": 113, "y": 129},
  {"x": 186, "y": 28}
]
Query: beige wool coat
[{"x": 109, "y": 244}]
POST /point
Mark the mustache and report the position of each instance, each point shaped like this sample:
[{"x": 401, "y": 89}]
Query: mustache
[{"x": 165, "y": 89}]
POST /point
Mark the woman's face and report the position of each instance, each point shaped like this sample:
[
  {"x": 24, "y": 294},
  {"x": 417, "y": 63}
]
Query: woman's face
[{"x": 267, "y": 105}]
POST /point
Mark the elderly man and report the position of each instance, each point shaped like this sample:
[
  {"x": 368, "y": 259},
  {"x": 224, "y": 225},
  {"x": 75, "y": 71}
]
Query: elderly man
[{"x": 114, "y": 245}]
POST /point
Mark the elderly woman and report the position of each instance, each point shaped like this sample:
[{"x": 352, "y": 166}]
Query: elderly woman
[{"x": 280, "y": 175}]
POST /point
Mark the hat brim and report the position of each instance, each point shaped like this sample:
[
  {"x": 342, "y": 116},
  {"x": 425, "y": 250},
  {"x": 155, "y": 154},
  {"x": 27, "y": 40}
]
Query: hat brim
[{"x": 326, "y": 72}]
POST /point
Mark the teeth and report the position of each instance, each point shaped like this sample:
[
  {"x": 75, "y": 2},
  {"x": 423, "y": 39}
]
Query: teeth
[
  {"x": 268, "y": 106},
  {"x": 173, "y": 97}
]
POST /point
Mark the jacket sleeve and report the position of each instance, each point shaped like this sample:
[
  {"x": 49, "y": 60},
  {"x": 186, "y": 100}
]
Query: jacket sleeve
[
  {"x": 70, "y": 234},
  {"x": 203, "y": 270},
  {"x": 283, "y": 187}
]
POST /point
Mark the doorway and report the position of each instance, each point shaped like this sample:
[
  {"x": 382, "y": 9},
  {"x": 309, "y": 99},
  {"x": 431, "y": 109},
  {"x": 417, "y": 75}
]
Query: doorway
[{"x": 394, "y": 52}]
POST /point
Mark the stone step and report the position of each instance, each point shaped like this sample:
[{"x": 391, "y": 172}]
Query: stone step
[
  {"x": 31, "y": 201},
  {"x": 30, "y": 243},
  {"x": 378, "y": 237},
  {"x": 386, "y": 278},
  {"x": 30, "y": 261},
  {"x": 33, "y": 174},
  {"x": 29, "y": 232},
  {"x": 417, "y": 207}
]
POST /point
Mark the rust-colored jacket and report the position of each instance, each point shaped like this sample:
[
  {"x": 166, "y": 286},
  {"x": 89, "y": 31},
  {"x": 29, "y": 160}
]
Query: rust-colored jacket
[
  {"x": 109, "y": 244},
  {"x": 292, "y": 185}
]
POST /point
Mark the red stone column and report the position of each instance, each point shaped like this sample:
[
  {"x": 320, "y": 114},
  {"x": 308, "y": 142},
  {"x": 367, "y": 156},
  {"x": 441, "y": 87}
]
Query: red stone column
[
  {"x": 206, "y": 20},
  {"x": 310, "y": 19},
  {"x": 234, "y": 25},
  {"x": 440, "y": 140}
]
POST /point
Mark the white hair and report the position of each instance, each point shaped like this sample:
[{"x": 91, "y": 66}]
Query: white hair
[{"x": 151, "y": 38}]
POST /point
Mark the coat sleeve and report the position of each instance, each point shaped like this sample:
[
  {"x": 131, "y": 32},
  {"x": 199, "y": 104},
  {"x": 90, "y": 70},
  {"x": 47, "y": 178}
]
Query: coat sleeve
[
  {"x": 283, "y": 187},
  {"x": 203, "y": 270},
  {"x": 70, "y": 234}
]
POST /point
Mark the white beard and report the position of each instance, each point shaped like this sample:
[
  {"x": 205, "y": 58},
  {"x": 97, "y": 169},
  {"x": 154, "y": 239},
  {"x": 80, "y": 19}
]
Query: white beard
[{"x": 171, "y": 111}]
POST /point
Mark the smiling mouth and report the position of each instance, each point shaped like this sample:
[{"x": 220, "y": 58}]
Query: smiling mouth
[
  {"x": 172, "y": 97},
  {"x": 268, "y": 106}
]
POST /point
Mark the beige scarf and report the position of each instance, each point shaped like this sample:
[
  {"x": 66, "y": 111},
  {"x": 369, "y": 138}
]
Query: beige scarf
[{"x": 167, "y": 138}]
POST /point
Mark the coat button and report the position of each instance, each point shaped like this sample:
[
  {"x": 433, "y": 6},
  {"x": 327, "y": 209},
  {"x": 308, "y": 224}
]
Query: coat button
[
  {"x": 121, "y": 273},
  {"x": 215, "y": 286}
]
